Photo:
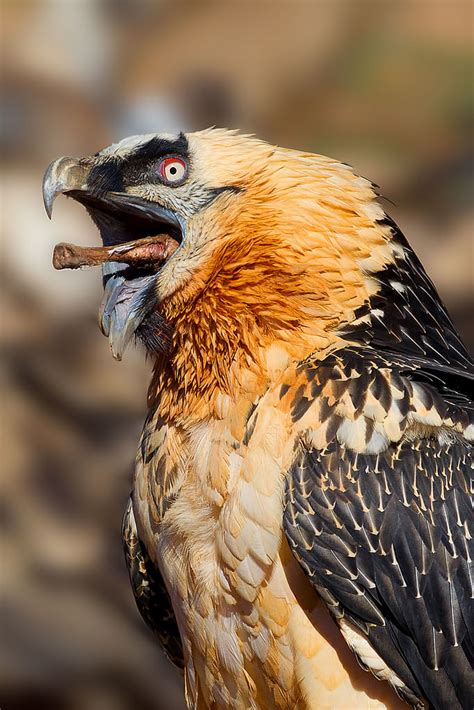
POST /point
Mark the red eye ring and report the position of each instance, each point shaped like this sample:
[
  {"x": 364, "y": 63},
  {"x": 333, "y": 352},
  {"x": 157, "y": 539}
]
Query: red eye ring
[{"x": 173, "y": 170}]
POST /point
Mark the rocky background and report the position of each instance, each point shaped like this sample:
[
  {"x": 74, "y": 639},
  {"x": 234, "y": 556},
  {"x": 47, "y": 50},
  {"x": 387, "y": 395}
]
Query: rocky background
[{"x": 384, "y": 86}]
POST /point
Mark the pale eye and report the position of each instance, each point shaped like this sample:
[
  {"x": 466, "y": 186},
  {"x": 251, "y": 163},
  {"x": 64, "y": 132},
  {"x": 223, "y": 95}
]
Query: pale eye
[{"x": 173, "y": 170}]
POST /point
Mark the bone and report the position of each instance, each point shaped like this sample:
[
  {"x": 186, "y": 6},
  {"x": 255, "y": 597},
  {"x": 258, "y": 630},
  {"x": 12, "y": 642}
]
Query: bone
[{"x": 139, "y": 252}]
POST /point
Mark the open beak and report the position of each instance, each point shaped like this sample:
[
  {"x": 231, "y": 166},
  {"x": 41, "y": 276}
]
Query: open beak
[{"x": 141, "y": 234}]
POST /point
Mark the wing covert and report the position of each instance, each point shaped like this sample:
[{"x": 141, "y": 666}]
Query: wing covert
[{"x": 385, "y": 534}]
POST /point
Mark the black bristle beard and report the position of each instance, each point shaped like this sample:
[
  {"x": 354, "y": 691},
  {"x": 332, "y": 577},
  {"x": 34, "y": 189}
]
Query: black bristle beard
[{"x": 155, "y": 333}]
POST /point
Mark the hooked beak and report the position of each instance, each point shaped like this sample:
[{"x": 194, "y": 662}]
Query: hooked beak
[{"x": 63, "y": 175}]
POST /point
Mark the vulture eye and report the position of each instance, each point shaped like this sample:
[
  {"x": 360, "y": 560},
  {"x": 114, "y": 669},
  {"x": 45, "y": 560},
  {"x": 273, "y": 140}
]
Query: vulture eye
[{"x": 173, "y": 170}]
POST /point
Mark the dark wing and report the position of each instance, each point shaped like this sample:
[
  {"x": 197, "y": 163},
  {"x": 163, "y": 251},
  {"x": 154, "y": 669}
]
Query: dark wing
[
  {"x": 385, "y": 537},
  {"x": 406, "y": 316},
  {"x": 151, "y": 595}
]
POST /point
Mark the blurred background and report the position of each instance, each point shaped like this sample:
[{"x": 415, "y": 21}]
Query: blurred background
[{"x": 385, "y": 86}]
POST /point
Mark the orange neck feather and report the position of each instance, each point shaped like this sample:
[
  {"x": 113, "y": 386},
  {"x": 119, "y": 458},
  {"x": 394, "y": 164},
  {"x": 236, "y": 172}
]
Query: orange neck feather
[{"x": 252, "y": 298}]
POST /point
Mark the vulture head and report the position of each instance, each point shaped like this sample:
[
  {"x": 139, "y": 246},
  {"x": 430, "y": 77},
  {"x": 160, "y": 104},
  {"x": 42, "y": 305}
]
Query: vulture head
[{"x": 218, "y": 245}]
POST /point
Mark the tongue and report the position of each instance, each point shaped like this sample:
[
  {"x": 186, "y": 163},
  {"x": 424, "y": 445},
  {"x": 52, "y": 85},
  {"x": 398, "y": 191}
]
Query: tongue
[{"x": 123, "y": 306}]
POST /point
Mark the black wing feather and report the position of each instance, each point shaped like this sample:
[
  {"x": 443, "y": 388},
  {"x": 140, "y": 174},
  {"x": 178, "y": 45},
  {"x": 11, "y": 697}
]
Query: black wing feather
[
  {"x": 393, "y": 573},
  {"x": 415, "y": 323},
  {"x": 151, "y": 595},
  {"x": 384, "y": 538}
]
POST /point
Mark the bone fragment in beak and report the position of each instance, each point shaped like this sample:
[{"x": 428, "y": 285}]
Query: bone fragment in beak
[{"x": 149, "y": 250}]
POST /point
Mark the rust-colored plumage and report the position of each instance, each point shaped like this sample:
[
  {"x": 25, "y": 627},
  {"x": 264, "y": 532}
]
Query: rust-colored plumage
[{"x": 302, "y": 492}]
